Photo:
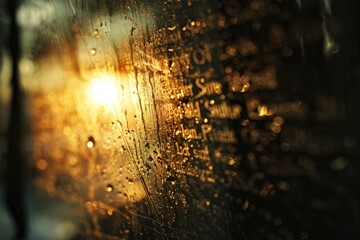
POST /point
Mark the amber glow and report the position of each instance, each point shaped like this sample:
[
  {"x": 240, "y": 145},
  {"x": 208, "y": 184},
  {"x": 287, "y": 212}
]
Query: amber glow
[
  {"x": 103, "y": 90},
  {"x": 90, "y": 144},
  {"x": 264, "y": 111},
  {"x": 245, "y": 87}
]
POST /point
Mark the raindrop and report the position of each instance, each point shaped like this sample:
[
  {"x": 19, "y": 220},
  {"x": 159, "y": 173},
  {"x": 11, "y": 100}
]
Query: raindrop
[
  {"x": 332, "y": 47},
  {"x": 148, "y": 167},
  {"x": 171, "y": 28},
  {"x": 231, "y": 162},
  {"x": 93, "y": 51},
  {"x": 171, "y": 179},
  {"x": 245, "y": 205},
  {"x": 96, "y": 34},
  {"x": 122, "y": 149},
  {"x": 91, "y": 142},
  {"x": 109, "y": 188}
]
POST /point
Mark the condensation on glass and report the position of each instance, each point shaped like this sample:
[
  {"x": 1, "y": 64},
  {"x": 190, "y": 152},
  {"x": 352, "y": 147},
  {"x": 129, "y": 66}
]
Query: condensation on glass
[{"x": 194, "y": 119}]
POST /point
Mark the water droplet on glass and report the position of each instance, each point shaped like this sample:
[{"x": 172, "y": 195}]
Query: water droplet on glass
[
  {"x": 245, "y": 205},
  {"x": 172, "y": 28},
  {"x": 232, "y": 162},
  {"x": 91, "y": 142},
  {"x": 96, "y": 34},
  {"x": 109, "y": 188},
  {"x": 332, "y": 47},
  {"x": 171, "y": 179},
  {"x": 93, "y": 51},
  {"x": 122, "y": 149}
]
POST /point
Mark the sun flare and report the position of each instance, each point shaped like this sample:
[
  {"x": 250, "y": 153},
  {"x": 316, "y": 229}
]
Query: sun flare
[{"x": 103, "y": 90}]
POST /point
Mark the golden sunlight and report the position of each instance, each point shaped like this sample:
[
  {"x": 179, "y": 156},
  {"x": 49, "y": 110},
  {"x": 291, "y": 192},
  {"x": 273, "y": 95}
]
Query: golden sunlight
[{"x": 103, "y": 90}]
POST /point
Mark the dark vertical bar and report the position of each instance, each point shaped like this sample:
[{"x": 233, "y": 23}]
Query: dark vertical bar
[{"x": 15, "y": 161}]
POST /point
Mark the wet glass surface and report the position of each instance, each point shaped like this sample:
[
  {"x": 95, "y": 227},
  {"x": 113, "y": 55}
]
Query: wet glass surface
[{"x": 192, "y": 119}]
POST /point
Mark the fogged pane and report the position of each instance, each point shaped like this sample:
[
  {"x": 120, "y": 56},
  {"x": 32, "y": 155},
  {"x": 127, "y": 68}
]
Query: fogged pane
[{"x": 192, "y": 119}]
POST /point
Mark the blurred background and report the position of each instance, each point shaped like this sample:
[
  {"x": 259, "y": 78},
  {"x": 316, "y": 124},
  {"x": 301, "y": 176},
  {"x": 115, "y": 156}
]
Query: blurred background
[{"x": 179, "y": 119}]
